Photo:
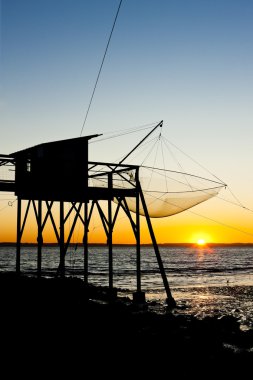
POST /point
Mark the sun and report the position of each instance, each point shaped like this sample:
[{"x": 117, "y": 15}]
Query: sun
[
  {"x": 201, "y": 239},
  {"x": 201, "y": 242}
]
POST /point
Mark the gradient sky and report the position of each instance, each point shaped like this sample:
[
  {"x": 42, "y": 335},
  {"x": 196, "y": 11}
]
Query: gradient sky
[{"x": 188, "y": 62}]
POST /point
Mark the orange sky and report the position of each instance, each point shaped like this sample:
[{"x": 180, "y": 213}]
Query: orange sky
[{"x": 232, "y": 225}]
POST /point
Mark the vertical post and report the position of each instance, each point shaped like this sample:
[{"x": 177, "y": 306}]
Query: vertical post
[
  {"x": 18, "y": 244},
  {"x": 138, "y": 296},
  {"x": 85, "y": 242},
  {"x": 62, "y": 248},
  {"x": 39, "y": 238},
  {"x": 137, "y": 233},
  {"x": 170, "y": 300},
  {"x": 110, "y": 232}
]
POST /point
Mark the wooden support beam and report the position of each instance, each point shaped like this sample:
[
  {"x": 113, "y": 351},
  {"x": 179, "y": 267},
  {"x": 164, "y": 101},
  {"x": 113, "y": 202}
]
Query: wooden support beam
[
  {"x": 125, "y": 207},
  {"x": 19, "y": 235},
  {"x": 39, "y": 238},
  {"x": 87, "y": 218},
  {"x": 72, "y": 227},
  {"x": 25, "y": 218},
  {"x": 20, "y": 230},
  {"x": 103, "y": 218},
  {"x": 109, "y": 238},
  {"x": 85, "y": 243},
  {"x": 170, "y": 300},
  {"x": 49, "y": 206},
  {"x": 62, "y": 237},
  {"x": 137, "y": 236}
]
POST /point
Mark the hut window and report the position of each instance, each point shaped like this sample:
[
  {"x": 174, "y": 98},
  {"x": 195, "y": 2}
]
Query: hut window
[{"x": 28, "y": 166}]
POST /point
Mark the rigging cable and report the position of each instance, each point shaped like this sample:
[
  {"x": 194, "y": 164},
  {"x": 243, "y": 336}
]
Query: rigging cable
[
  {"x": 239, "y": 203},
  {"x": 126, "y": 132},
  {"x": 152, "y": 171},
  {"x": 208, "y": 218},
  {"x": 237, "y": 200},
  {"x": 100, "y": 69},
  {"x": 176, "y": 160},
  {"x": 196, "y": 162},
  {"x": 9, "y": 204},
  {"x": 166, "y": 182},
  {"x": 95, "y": 227},
  {"x": 133, "y": 157}
]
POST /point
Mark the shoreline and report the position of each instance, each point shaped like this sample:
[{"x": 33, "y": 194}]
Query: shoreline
[{"x": 70, "y": 312}]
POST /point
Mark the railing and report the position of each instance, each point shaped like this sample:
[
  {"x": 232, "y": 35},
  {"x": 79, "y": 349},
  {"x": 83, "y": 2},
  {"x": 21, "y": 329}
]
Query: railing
[
  {"x": 101, "y": 175},
  {"x": 110, "y": 175},
  {"x": 7, "y": 173}
]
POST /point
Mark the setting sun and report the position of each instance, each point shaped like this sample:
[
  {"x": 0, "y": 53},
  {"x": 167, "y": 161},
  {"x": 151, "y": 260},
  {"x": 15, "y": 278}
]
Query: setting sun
[
  {"x": 201, "y": 242},
  {"x": 201, "y": 238}
]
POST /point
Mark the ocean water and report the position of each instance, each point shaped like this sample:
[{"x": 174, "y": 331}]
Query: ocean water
[{"x": 204, "y": 281}]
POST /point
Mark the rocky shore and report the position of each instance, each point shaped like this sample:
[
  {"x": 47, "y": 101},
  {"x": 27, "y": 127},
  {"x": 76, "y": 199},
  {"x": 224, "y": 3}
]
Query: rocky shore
[{"x": 87, "y": 326}]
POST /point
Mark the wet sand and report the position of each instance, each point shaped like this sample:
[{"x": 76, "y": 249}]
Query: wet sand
[{"x": 63, "y": 323}]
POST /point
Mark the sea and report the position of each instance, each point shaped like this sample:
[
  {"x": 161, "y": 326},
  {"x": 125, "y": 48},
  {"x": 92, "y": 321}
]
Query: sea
[{"x": 204, "y": 281}]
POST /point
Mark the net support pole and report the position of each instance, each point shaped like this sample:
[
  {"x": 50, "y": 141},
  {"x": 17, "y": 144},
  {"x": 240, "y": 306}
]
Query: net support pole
[
  {"x": 123, "y": 159},
  {"x": 109, "y": 237},
  {"x": 170, "y": 300},
  {"x": 138, "y": 246},
  {"x": 137, "y": 234}
]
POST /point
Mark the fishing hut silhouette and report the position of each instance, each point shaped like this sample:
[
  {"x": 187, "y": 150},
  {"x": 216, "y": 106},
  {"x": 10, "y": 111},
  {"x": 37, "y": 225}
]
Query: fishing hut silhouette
[{"x": 59, "y": 172}]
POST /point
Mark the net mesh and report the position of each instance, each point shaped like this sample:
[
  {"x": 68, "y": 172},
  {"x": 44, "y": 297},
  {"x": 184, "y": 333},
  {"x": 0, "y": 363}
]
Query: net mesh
[
  {"x": 160, "y": 205},
  {"x": 166, "y": 192}
]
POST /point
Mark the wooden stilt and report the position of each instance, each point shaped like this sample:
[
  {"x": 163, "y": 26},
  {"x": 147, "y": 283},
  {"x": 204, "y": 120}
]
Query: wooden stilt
[
  {"x": 138, "y": 245},
  {"x": 109, "y": 238},
  {"x": 85, "y": 243},
  {"x": 139, "y": 296},
  {"x": 170, "y": 300},
  {"x": 19, "y": 234},
  {"x": 39, "y": 239},
  {"x": 62, "y": 247}
]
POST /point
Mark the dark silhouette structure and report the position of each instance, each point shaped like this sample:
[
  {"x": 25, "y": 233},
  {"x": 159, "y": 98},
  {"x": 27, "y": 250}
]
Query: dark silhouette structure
[
  {"x": 58, "y": 172},
  {"x": 53, "y": 171}
]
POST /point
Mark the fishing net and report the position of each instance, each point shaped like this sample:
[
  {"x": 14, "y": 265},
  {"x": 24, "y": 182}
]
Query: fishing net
[
  {"x": 165, "y": 192},
  {"x": 165, "y": 204}
]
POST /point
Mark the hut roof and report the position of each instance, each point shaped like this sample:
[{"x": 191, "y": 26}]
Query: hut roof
[{"x": 57, "y": 144}]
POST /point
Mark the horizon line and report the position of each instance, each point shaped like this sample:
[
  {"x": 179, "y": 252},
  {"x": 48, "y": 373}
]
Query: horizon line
[{"x": 131, "y": 244}]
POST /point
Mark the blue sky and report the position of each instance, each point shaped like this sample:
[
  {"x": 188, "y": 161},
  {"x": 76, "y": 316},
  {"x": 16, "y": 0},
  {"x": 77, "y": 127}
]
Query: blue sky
[{"x": 188, "y": 62}]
